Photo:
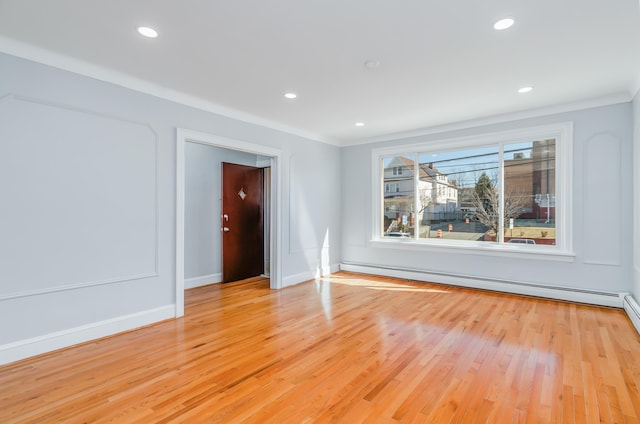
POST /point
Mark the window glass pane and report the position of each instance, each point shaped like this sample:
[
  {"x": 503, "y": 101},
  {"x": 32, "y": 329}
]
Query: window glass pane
[
  {"x": 399, "y": 196},
  {"x": 500, "y": 188},
  {"x": 458, "y": 193},
  {"x": 529, "y": 192}
]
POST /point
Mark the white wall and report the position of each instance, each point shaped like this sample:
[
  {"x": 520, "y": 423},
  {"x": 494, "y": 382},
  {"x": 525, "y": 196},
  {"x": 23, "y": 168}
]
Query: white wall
[
  {"x": 202, "y": 237},
  {"x": 636, "y": 197},
  {"x": 603, "y": 246},
  {"x": 314, "y": 247},
  {"x": 88, "y": 205},
  {"x": 631, "y": 304}
]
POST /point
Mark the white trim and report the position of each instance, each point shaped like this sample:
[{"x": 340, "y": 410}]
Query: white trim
[
  {"x": 564, "y": 188},
  {"x": 611, "y": 299},
  {"x": 292, "y": 280},
  {"x": 180, "y": 206},
  {"x": 263, "y": 163},
  {"x": 499, "y": 119},
  {"x": 563, "y": 132},
  {"x": 21, "y": 349},
  {"x": 205, "y": 280},
  {"x": 81, "y": 67},
  {"x": 632, "y": 309},
  {"x": 183, "y": 136},
  {"x": 512, "y": 251},
  {"x": 303, "y": 277},
  {"x": 77, "y": 66},
  {"x": 75, "y": 286},
  {"x": 564, "y": 129}
]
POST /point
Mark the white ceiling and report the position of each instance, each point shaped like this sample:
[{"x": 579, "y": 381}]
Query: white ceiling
[{"x": 441, "y": 61}]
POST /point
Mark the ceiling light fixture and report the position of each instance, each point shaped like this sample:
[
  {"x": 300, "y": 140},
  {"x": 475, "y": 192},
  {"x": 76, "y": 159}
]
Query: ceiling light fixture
[
  {"x": 525, "y": 89},
  {"x": 148, "y": 32},
  {"x": 359, "y": 124},
  {"x": 503, "y": 24},
  {"x": 290, "y": 95}
]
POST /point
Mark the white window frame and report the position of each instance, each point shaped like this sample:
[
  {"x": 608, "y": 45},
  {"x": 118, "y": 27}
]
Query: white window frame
[{"x": 562, "y": 251}]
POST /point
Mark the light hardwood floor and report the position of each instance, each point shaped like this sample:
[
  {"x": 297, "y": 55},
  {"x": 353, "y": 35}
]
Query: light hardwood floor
[{"x": 347, "y": 349}]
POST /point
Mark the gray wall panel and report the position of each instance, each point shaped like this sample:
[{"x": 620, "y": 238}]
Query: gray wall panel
[{"x": 82, "y": 194}]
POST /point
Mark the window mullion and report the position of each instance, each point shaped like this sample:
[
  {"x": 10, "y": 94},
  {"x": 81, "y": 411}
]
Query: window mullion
[
  {"x": 416, "y": 196},
  {"x": 500, "y": 234}
]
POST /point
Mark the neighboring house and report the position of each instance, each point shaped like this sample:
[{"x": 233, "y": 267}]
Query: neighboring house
[
  {"x": 534, "y": 178},
  {"x": 437, "y": 193}
]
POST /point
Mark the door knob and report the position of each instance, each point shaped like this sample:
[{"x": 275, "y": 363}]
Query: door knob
[
  {"x": 225, "y": 217},
  {"x": 225, "y": 229}
]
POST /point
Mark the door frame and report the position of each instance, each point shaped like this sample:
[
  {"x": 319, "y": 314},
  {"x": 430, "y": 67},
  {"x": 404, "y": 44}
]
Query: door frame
[{"x": 275, "y": 238}]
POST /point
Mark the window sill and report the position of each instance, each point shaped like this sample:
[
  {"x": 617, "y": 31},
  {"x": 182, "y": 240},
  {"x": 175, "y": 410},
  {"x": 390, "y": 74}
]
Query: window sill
[{"x": 545, "y": 253}]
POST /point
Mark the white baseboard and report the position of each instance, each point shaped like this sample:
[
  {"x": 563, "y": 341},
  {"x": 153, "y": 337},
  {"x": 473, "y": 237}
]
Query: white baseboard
[
  {"x": 611, "y": 299},
  {"x": 632, "y": 309},
  {"x": 292, "y": 280},
  {"x": 190, "y": 283},
  {"x": 22, "y": 349}
]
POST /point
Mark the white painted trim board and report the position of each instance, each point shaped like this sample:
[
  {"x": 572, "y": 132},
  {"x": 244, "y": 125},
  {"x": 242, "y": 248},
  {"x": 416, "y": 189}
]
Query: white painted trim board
[
  {"x": 302, "y": 277},
  {"x": 610, "y": 299},
  {"x": 276, "y": 157},
  {"x": 22, "y": 349},
  {"x": 632, "y": 309},
  {"x": 190, "y": 283}
]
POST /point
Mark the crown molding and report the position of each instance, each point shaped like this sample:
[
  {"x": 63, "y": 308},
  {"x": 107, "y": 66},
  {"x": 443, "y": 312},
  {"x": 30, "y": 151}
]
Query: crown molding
[
  {"x": 498, "y": 119},
  {"x": 81, "y": 67}
]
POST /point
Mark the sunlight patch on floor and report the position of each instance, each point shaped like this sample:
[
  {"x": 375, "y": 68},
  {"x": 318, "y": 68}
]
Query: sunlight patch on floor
[{"x": 381, "y": 285}]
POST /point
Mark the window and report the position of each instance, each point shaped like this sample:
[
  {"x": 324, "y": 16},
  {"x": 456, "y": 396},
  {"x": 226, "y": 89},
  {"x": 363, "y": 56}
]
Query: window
[
  {"x": 392, "y": 188},
  {"x": 399, "y": 198},
  {"x": 510, "y": 190}
]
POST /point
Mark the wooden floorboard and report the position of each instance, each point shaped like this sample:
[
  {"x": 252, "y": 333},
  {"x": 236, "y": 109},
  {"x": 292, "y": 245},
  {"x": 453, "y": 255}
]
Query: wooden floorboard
[{"x": 347, "y": 349}]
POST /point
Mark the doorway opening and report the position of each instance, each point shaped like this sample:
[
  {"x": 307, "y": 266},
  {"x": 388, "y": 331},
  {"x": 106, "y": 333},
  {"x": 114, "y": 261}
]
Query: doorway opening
[{"x": 272, "y": 160}]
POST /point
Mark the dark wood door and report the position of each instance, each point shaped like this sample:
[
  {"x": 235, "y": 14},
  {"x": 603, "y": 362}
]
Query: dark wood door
[{"x": 242, "y": 222}]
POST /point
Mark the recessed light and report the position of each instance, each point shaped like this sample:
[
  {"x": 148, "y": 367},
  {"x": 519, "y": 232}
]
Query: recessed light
[
  {"x": 525, "y": 89},
  {"x": 359, "y": 124},
  {"x": 503, "y": 24},
  {"x": 148, "y": 32},
  {"x": 290, "y": 95}
]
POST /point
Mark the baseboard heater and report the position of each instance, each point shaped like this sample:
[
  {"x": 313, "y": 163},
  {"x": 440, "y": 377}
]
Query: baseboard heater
[
  {"x": 632, "y": 309},
  {"x": 572, "y": 294}
]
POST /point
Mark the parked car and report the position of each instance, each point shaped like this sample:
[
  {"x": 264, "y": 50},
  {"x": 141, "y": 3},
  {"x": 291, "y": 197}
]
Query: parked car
[
  {"x": 522, "y": 241},
  {"x": 397, "y": 234}
]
